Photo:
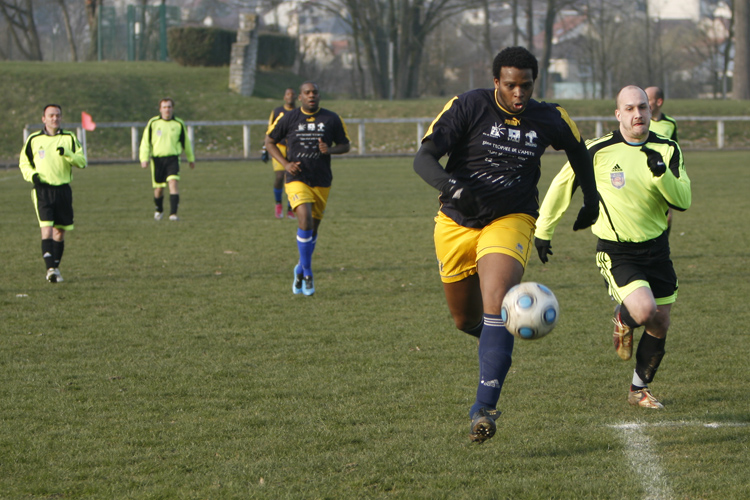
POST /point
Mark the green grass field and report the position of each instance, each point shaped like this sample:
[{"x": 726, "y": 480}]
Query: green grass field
[{"x": 174, "y": 361}]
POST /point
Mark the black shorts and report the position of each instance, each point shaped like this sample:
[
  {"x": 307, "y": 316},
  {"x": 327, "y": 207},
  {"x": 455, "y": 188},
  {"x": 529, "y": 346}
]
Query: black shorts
[
  {"x": 647, "y": 263},
  {"x": 165, "y": 166},
  {"x": 54, "y": 204}
]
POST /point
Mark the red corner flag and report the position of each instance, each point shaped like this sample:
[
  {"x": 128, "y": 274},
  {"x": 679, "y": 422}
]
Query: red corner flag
[{"x": 87, "y": 122}]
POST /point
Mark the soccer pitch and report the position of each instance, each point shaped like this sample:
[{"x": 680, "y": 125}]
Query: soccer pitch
[{"x": 175, "y": 362}]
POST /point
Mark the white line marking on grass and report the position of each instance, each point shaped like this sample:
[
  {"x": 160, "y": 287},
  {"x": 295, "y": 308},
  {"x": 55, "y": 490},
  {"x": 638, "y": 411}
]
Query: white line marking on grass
[{"x": 645, "y": 462}]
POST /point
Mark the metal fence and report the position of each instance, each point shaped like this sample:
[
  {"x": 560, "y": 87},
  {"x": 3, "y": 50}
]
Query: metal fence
[{"x": 361, "y": 123}]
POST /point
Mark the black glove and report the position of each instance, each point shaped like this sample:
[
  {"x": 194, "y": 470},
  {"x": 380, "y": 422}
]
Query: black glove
[
  {"x": 544, "y": 248},
  {"x": 655, "y": 162},
  {"x": 61, "y": 150},
  {"x": 264, "y": 156},
  {"x": 462, "y": 198},
  {"x": 36, "y": 180},
  {"x": 587, "y": 215}
]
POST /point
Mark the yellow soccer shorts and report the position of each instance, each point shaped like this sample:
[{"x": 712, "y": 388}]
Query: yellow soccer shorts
[
  {"x": 299, "y": 193},
  {"x": 277, "y": 167},
  {"x": 458, "y": 248}
]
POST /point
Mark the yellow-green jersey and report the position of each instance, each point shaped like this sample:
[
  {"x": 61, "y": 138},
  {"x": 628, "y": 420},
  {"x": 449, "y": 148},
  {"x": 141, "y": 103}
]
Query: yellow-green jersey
[
  {"x": 666, "y": 127},
  {"x": 52, "y": 157},
  {"x": 165, "y": 138},
  {"x": 633, "y": 201}
]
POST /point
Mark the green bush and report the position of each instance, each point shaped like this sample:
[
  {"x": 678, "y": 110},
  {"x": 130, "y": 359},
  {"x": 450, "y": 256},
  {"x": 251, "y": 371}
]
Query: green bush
[
  {"x": 276, "y": 50},
  {"x": 200, "y": 46}
]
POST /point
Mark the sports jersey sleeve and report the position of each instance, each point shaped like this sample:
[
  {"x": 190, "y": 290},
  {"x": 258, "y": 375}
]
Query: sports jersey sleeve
[
  {"x": 144, "y": 152},
  {"x": 555, "y": 202},
  {"x": 186, "y": 145},
  {"x": 674, "y": 183},
  {"x": 443, "y": 131},
  {"x": 26, "y": 161},
  {"x": 74, "y": 155}
]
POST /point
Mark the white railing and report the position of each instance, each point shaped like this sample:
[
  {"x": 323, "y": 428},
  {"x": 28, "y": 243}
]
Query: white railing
[{"x": 361, "y": 123}]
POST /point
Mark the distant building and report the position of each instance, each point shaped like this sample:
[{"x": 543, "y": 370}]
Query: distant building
[{"x": 675, "y": 9}]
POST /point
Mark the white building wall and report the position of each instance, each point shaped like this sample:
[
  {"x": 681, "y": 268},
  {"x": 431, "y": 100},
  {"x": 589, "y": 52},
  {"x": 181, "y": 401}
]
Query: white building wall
[{"x": 674, "y": 9}]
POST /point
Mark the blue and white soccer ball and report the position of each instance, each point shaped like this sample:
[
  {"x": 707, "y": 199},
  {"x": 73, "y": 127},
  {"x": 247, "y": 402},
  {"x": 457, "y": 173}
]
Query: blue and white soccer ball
[{"x": 530, "y": 310}]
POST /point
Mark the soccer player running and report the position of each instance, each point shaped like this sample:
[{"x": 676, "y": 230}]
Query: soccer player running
[
  {"x": 639, "y": 174},
  {"x": 661, "y": 124},
  {"x": 278, "y": 169},
  {"x": 164, "y": 139},
  {"x": 312, "y": 135},
  {"x": 494, "y": 139},
  {"x": 46, "y": 161}
]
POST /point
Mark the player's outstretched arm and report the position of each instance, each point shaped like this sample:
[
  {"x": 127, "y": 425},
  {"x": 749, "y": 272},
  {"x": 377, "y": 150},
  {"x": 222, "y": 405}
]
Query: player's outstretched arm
[{"x": 580, "y": 162}]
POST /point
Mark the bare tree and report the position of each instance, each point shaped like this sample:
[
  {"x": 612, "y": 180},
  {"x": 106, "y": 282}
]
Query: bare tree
[
  {"x": 68, "y": 30},
  {"x": 741, "y": 85},
  {"x": 19, "y": 14},
  {"x": 92, "y": 16},
  {"x": 392, "y": 35}
]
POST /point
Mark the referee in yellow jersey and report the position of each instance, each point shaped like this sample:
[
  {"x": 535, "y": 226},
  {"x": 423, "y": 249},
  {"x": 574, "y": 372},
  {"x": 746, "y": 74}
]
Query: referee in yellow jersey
[
  {"x": 164, "y": 139},
  {"x": 639, "y": 176},
  {"x": 46, "y": 161}
]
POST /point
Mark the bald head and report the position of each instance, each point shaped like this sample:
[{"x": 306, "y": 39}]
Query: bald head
[
  {"x": 633, "y": 113},
  {"x": 656, "y": 101}
]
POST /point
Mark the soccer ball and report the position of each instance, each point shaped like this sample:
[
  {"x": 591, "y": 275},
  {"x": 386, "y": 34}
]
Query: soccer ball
[{"x": 530, "y": 310}]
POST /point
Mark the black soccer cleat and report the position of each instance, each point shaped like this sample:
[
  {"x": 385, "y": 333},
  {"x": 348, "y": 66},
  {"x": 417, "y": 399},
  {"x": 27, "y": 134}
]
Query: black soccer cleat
[{"x": 483, "y": 425}]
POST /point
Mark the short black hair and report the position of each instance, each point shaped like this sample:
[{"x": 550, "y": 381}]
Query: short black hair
[
  {"x": 515, "y": 57},
  {"x": 51, "y": 106}
]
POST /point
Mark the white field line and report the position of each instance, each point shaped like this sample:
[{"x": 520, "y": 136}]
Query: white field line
[{"x": 645, "y": 462}]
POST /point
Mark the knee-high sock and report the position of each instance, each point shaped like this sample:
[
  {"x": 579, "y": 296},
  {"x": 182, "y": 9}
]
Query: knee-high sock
[
  {"x": 174, "y": 201},
  {"x": 159, "y": 202},
  {"x": 277, "y": 194},
  {"x": 495, "y": 351},
  {"x": 58, "y": 247},
  {"x": 48, "y": 253},
  {"x": 305, "y": 245}
]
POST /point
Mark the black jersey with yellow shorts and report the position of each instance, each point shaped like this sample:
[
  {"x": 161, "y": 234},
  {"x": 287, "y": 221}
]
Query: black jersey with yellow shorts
[
  {"x": 497, "y": 154},
  {"x": 633, "y": 249},
  {"x": 302, "y": 131}
]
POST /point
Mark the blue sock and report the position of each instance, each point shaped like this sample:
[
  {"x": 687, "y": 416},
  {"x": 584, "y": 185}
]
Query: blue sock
[
  {"x": 277, "y": 194},
  {"x": 305, "y": 245},
  {"x": 495, "y": 350}
]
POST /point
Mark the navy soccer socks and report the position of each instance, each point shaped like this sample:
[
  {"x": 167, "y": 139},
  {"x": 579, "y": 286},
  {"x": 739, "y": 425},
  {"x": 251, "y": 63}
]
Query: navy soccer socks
[{"x": 495, "y": 351}]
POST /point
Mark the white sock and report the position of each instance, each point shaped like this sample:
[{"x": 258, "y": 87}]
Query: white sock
[{"x": 637, "y": 380}]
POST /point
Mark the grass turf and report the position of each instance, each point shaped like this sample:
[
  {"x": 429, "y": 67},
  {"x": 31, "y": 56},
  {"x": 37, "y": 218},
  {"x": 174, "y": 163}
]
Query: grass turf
[{"x": 174, "y": 361}]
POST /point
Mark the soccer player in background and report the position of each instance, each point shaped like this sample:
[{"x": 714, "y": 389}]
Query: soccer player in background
[
  {"x": 638, "y": 174},
  {"x": 312, "y": 135},
  {"x": 278, "y": 169},
  {"x": 46, "y": 161},
  {"x": 164, "y": 139},
  {"x": 494, "y": 139},
  {"x": 661, "y": 124}
]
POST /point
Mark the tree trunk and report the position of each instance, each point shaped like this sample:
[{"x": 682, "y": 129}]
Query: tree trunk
[
  {"x": 68, "y": 31},
  {"x": 549, "y": 24},
  {"x": 741, "y": 86},
  {"x": 20, "y": 19},
  {"x": 530, "y": 25},
  {"x": 92, "y": 7}
]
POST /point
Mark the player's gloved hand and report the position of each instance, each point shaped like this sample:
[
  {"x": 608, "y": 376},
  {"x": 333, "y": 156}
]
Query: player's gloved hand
[
  {"x": 462, "y": 198},
  {"x": 61, "y": 150},
  {"x": 587, "y": 215},
  {"x": 264, "y": 156},
  {"x": 544, "y": 248},
  {"x": 655, "y": 162}
]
